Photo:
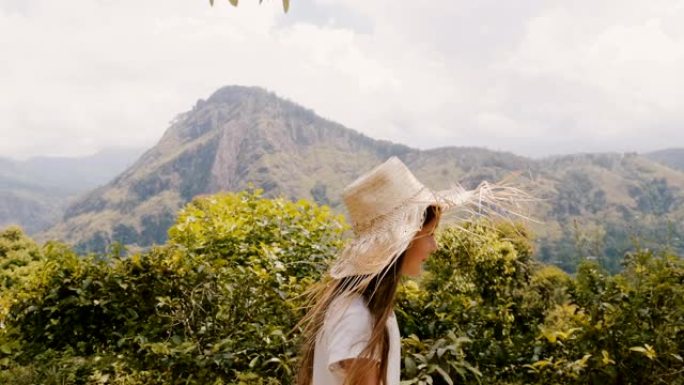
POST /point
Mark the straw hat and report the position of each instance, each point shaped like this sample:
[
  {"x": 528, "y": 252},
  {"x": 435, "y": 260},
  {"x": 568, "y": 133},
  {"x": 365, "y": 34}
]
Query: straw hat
[{"x": 386, "y": 208}]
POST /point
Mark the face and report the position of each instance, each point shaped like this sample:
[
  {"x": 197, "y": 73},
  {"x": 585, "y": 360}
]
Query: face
[{"x": 422, "y": 245}]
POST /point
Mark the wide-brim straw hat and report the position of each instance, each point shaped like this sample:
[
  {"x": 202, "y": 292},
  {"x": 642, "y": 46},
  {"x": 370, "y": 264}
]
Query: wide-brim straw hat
[{"x": 386, "y": 208}]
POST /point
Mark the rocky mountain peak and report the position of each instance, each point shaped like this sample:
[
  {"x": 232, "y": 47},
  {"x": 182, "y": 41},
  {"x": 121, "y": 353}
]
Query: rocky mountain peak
[{"x": 242, "y": 135}]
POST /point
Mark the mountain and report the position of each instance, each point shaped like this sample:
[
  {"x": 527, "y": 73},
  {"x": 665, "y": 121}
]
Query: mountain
[
  {"x": 34, "y": 193},
  {"x": 26, "y": 203},
  {"x": 239, "y": 135},
  {"x": 602, "y": 205},
  {"x": 672, "y": 157},
  {"x": 243, "y": 135}
]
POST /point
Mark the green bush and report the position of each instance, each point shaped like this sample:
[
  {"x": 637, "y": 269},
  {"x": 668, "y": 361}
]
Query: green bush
[
  {"x": 17, "y": 253},
  {"x": 474, "y": 298},
  {"x": 218, "y": 302},
  {"x": 485, "y": 313}
]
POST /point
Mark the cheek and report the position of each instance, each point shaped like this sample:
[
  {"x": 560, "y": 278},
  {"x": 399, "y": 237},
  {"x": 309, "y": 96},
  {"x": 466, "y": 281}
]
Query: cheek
[
  {"x": 412, "y": 260},
  {"x": 420, "y": 251},
  {"x": 427, "y": 246}
]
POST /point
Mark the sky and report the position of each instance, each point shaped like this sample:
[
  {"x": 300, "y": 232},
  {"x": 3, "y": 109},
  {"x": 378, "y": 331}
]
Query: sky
[{"x": 528, "y": 76}]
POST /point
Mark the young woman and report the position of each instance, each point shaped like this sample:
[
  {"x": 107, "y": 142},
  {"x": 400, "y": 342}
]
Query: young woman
[{"x": 351, "y": 336}]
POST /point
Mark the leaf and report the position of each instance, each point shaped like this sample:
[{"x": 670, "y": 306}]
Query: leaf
[
  {"x": 421, "y": 358},
  {"x": 286, "y": 5},
  {"x": 541, "y": 364},
  {"x": 410, "y": 366},
  {"x": 132, "y": 313},
  {"x": 473, "y": 369},
  {"x": 6, "y": 348},
  {"x": 274, "y": 360},
  {"x": 582, "y": 362},
  {"x": 444, "y": 375},
  {"x": 606, "y": 358},
  {"x": 253, "y": 362},
  {"x": 459, "y": 370},
  {"x": 233, "y": 2},
  {"x": 647, "y": 350}
]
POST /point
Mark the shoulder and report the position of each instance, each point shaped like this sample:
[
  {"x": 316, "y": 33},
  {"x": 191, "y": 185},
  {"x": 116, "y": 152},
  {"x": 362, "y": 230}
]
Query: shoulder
[
  {"x": 347, "y": 308},
  {"x": 350, "y": 303}
]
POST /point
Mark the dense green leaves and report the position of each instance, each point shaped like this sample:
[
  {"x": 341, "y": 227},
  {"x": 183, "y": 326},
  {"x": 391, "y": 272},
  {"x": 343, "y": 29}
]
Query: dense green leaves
[
  {"x": 517, "y": 321},
  {"x": 17, "y": 253},
  {"x": 218, "y": 302}
]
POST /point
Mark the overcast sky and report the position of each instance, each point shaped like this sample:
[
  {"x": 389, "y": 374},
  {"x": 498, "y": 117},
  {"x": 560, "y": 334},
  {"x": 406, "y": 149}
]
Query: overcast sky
[{"x": 528, "y": 76}]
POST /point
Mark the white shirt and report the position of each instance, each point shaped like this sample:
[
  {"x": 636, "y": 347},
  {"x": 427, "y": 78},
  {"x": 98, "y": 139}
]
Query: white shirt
[{"x": 345, "y": 332}]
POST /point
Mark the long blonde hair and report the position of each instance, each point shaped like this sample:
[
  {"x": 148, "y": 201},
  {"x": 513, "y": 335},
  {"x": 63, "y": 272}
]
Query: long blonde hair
[{"x": 378, "y": 295}]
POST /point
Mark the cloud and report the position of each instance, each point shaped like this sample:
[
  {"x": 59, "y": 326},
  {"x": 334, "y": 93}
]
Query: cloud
[{"x": 530, "y": 76}]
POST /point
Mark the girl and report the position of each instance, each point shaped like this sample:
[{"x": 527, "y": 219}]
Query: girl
[{"x": 351, "y": 336}]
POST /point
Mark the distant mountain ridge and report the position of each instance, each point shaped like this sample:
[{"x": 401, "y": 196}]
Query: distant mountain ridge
[
  {"x": 671, "y": 157},
  {"x": 243, "y": 135},
  {"x": 35, "y": 192}
]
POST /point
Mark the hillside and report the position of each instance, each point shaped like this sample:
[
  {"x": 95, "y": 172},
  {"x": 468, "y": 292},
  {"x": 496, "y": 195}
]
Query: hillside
[
  {"x": 672, "y": 157},
  {"x": 242, "y": 135},
  {"x": 34, "y": 193}
]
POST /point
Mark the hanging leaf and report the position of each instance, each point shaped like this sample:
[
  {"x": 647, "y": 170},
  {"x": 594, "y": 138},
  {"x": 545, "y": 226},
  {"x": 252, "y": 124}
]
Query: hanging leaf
[
  {"x": 606, "y": 358},
  {"x": 444, "y": 375},
  {"x": 647, "y": 350},
  {"x": 234, "y": 2},
  {"x": 286, "y": 5},
  {"x": 211, "y": 2}
]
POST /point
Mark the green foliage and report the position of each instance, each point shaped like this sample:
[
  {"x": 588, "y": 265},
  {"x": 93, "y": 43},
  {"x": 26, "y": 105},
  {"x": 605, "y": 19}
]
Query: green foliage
[
  {"x": 17, "y": 252},
  {"x": 655, "y": 196},
  {"x": 577, "y": 195},
  {"x": 215, "y": 305},
  {"x": 442, "y": 359},
  {"x": 218, "y": 302},
  {"x": 475, "y": 288},
  {"x": 500, "y": 317},
  {"x": 632, "y": 323},
  {"x": 608, "y": 240}
]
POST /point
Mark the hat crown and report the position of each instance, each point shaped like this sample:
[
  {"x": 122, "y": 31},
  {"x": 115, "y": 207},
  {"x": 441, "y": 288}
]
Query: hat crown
[{"x": 380, "y": 191}]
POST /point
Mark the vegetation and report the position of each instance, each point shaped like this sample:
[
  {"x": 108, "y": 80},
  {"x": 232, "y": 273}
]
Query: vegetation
[
  {"x": 234, "y": 3},
  {"x": 590, "y": 205},
  {"x": 218, "y": 302},
  {"x": 594, "y": 213},
  {"x": 487, "y": 313}
]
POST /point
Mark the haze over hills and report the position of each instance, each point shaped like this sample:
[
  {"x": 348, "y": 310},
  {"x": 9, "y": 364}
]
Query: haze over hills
[
  {"x": 34, "y": 192},
  {"x": 247, "y": 134},
  {"x": 671, "y": 157}
]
